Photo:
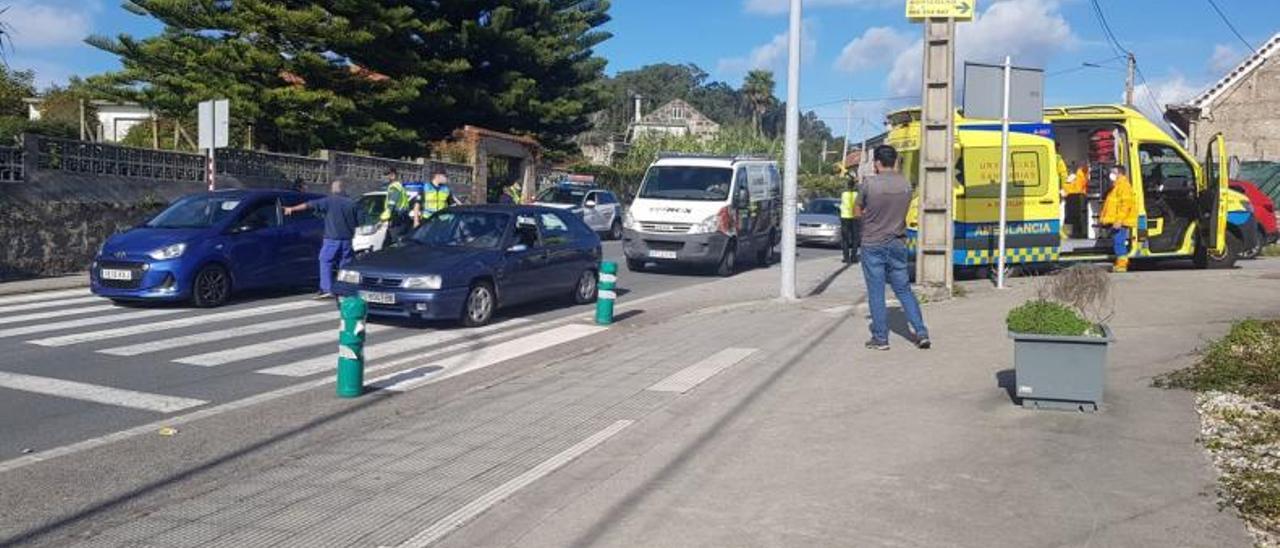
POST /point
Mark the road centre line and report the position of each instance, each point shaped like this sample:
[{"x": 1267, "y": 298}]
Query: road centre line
[
  {"x": 50, "y": 304},
  {"x": 44, "y": 296},
  {"x": 96, "y": 393},
  {"x": 500, "y": 493},
  {"x": 685, "y": 379},
  {"x": 222, "y": 357},
  {"x": 248, "y": 312},
  {"x": 85, "y": 322},
  {"x": 312, "y": 366},
  {"x": 223, "y": 334},
  {"x": 31, "y": 316},
  {"x": 484, "y": 357}
]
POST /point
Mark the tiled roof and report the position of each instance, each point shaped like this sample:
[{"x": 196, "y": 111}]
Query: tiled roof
[{"x": 1245, "y": 67}]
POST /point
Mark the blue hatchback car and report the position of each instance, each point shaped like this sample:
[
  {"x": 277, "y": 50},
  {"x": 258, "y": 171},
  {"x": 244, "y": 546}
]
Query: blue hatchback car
[
  {"x": 205, "y": 246},
  {"x": 465, "y": 262}
]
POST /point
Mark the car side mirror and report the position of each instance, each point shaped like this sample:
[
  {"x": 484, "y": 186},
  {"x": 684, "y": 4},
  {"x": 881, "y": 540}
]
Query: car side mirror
[
  {"x": 241, "y": 229},
  {"x": 518, "y": 248},
  {"x": 589, "y": 204}
]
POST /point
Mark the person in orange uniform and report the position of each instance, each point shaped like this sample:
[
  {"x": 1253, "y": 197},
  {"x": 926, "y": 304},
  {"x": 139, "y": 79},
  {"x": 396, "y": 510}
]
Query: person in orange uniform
[
  {"x": 1074, "y": 184},
  {"x": 1120, "y": 212}
]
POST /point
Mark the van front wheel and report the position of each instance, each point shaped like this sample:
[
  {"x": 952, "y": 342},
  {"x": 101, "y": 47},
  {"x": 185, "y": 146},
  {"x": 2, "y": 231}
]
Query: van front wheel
[
  {"x": 728, "y": 262},
  {"x": 1207, "y": 259}
]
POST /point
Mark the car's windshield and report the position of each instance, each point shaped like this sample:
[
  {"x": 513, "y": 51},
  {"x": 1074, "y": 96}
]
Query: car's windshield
[
  {"x": 195, "y": 212},
  {"x": 562, "y": 195},
  {"x": 473, "y": 229},
  {"x": 822, "y": 207},
  {"x": 687, "y": 183},
  {"x": 369, "y": 207}
]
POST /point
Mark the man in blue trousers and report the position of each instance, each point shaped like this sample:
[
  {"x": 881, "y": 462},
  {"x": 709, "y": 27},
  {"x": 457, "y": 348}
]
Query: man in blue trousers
[{"x": 340, "y": 221}]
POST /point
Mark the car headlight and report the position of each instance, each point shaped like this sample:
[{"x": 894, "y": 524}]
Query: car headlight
[
  {"x": 168, "y": 252},
  {"x": 349, "y": 276},
  {"x": 629, "y": 221},
  {"x": 421, "y": 282},
  {"x": 707, "y": 226}
]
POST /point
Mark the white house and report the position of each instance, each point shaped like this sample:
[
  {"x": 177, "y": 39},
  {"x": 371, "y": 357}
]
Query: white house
[{"x": 114, "y": 120}]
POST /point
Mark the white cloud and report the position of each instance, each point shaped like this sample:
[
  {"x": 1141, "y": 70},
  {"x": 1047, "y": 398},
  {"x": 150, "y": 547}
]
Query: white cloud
[
  {"x": 1224, "y": 58},
  {"x": 1152, "y": 98},
  {"x": 775, "y": 7},
  {"x": 45, "y": 24},
  {"x": 1031, "y": 31},
  {"x": 771, "y": 55},
  {"x": 877, "y": 46}
]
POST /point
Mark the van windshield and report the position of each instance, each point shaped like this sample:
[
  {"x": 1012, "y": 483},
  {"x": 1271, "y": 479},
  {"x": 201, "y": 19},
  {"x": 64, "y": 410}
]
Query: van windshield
[{"x": 687, "y": 183}]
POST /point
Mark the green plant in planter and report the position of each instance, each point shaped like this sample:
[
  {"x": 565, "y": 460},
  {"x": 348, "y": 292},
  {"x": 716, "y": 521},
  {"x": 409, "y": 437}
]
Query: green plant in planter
[{"x": 1042, "y": 317}]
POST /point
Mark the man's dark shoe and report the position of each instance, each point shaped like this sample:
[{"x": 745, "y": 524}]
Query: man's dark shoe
[
  {"x": 877, "y": 345},
  {"x": 924, "y": 344}
]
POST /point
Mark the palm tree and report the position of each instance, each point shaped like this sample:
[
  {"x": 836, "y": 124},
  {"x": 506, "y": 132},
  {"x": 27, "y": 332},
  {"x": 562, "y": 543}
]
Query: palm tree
[{"x": 757, "y": 91}]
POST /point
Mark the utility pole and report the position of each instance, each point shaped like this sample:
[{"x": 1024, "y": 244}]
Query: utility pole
[
  {"x": 848, "y": 129},
  {"x": 934, "y": 243},
  {"x": 792, "y": 157},
  {"x": 82, "y": 128},
  {"x": 1128, "y": 80}
]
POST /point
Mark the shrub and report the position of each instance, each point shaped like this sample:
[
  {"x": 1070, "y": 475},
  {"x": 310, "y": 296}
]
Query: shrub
[
  {"x": 1084, "y": 288},
  {"x": 1042, "y": 317},
  {"x": 1246, "y": 361}
]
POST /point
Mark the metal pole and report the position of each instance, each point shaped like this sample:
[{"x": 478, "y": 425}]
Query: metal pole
[
  {"x": 848, "y": 128},
  {"x": 1128, "y": 80},
  {"x": 1004, "y": 172},
  {"x": 792, "y": 156}
]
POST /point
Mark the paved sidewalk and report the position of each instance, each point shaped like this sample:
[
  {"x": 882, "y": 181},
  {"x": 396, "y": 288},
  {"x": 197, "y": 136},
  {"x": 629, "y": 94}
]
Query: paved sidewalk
[
  {"x": 730, "y": 419},
  {"x": 71, "y": 281}
]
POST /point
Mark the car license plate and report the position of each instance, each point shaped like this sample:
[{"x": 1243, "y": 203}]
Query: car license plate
[
  {"x": 806, "y": 231},
  {"x": 656, "y": 254},
  {"x": 378, "y": 298},
  {"x": 115, "y": 274}
]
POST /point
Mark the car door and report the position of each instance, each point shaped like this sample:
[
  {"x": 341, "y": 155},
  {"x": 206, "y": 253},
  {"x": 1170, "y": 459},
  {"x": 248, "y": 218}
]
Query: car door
[
  {"x": 1213, "y": 200},
  {"x": 591, "y": 212},
  {"x": 609, "y": 209},
  {"x": 252, "y": 245},
  {"x": 525, "y": 263},
  {"x": 563, "y": 258},
  {"x": 299, "y": 244}
]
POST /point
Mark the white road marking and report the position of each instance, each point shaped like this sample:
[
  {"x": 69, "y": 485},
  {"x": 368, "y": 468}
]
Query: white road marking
[
  {"x": 44, "y": 296},
  {"x": 211, "y": 336},
  {"x": 85, "y": 322},
  {"x": 199, "y": 319},
  {"x": 388, "y": 348},
  {"x": 685, "y": 379},
  {"x": 838, "y": 310},
  {"x": 488, "y": 500},
  {"x": 482, "y": 358},
  {"x": 96, "y": 393},
  {"x": 259, "y": 350},
  {"x": 19, "y": 318},
  {"x": 53, "y": 303}
]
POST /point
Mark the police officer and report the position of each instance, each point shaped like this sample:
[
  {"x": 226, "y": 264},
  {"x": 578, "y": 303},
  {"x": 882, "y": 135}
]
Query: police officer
[
  {"x": 850, "y": 227},
  {"x": 395, "y": 211},
  {"x": 436, "y": 196}
]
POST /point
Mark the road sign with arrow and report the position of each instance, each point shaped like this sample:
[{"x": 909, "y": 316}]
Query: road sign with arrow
[{"x": 960, "y": 10}]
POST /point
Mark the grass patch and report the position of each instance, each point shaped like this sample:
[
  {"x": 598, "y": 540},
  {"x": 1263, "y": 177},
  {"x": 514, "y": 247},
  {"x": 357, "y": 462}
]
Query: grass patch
[
  {"x": 1271, "y": 251},
  {"x": 1238, "y": 377}
]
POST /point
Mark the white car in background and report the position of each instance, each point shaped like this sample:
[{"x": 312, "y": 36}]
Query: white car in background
[{"x": 599, "y": 208}]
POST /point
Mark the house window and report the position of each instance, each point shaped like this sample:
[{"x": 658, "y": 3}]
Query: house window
[{"x": 677, "y": 112}]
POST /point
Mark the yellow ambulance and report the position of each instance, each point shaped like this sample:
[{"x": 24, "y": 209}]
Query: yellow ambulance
[{"x": 1185, "y": 208}]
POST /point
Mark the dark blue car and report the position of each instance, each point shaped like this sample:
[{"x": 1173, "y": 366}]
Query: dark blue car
[
  {"x": 465, "y": 262},
  {"x": 205, "y": 246}
]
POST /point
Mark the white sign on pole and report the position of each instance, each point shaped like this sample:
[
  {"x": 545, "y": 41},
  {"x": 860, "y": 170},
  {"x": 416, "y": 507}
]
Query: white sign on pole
[{"x": 215, "y": 123}]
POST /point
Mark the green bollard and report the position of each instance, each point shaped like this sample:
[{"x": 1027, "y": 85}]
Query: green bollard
[
  {"x": 351, "y": 347},
  {"x": 605, "y": 295}
]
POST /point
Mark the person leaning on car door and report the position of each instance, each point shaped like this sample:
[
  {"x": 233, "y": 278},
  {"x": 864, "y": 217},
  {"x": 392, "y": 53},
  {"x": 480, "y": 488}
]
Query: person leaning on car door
[{"x": 340, "y": 221}]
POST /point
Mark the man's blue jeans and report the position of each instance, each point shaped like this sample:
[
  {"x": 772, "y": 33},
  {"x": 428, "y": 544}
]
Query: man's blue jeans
[
  {"x": 888, "y": 263},
  {"x": 1120, "y": 241},
  {"x": 333, "y": 254}
]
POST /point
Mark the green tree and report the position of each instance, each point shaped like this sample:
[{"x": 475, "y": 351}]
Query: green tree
[
  {"x": 15, "y": 85},
  {"x": 757, "y": 92}
]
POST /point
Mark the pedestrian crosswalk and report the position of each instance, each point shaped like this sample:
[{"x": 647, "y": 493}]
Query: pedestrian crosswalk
[{"x": 164, "y": 347}]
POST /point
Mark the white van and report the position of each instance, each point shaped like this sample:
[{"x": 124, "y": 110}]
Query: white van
[{"x": 703, "y": 210}]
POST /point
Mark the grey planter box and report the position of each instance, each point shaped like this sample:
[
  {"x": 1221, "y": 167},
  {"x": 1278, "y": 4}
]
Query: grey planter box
[{"x": 1056, "y": 372}]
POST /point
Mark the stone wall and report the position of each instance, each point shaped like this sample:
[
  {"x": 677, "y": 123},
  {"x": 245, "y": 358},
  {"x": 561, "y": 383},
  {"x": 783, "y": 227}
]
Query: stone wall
[
  {"x": 69, "y": 196},
  {"x": 1247, "y": 115}
]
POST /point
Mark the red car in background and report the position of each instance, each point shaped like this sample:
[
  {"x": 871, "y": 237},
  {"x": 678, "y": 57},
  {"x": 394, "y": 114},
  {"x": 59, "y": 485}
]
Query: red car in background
[{"x": 1264, "y": 211}]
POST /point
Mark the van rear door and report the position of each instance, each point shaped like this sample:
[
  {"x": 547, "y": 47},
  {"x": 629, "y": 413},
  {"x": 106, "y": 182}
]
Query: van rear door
[{"x": 1213, "y": 201}]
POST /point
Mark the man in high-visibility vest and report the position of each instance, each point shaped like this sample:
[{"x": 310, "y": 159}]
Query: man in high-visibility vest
[
  {"x": 395, "y": 210},
  {"x": 436, "y": 196},
  {"x": 850, "y": 229},
  {"x": 1120, "y": 212}
]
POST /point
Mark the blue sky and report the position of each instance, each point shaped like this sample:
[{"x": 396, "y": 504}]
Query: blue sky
[{"x": 863, "y": 49}]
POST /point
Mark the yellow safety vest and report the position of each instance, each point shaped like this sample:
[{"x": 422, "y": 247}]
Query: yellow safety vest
[
  {"x": 434, "y": 199},
  {"x": 847, "y": 200},
  {"x": 397, "y": 200}
]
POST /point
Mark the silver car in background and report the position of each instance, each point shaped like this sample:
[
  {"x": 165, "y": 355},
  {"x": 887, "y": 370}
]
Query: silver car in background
[{"x": 819, "y": 222}]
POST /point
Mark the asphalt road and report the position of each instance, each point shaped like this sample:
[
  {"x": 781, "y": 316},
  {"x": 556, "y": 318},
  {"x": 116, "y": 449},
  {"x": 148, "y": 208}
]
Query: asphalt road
[{"x": 75, "y": 367}]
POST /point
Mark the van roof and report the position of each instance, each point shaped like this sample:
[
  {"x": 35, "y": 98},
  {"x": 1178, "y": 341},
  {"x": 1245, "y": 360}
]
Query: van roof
[
  {"x": 1057, "y": 113},
  {"x": 707, "y": 160}
]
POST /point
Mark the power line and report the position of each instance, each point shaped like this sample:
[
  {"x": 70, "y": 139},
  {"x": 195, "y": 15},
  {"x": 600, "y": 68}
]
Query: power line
[
  {"x": 860, "y": 100},
  {"x": 1232, "y": 27},
  {"x": 1106, "y": 30}
]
